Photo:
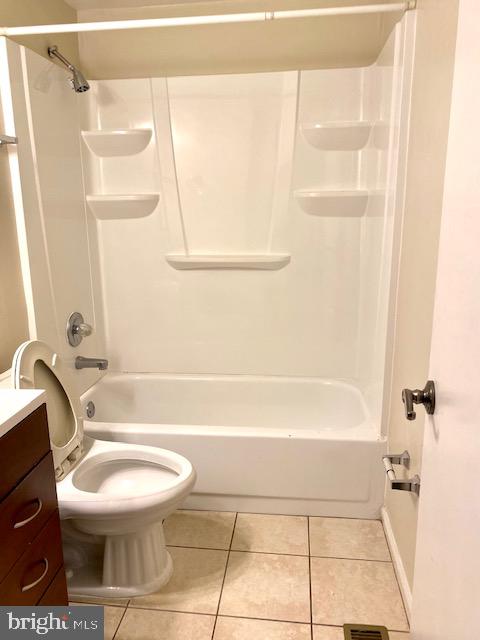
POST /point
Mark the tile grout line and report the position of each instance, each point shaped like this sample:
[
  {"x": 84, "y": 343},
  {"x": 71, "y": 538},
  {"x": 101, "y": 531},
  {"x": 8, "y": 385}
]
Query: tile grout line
[
  {"x": 188, "y": 613},
  {"x": 224, "y": 575},
  {"x": 244, "y": 617},
  {"x": 93, "y": 603},
  {"x": 310, "y": 577},
  {"x": 286, "y": 515},
  {"x": 275, "y": 553},
  {"x": 120, "y": 622},
  {"x": 229, "y": 615}
]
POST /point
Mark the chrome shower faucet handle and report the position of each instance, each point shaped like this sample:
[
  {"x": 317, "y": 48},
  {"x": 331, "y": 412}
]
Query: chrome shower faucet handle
[{"x": 77, "y": 329}]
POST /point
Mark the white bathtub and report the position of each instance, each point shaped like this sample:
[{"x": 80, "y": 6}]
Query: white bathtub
[{"x": 264, "y": 444}]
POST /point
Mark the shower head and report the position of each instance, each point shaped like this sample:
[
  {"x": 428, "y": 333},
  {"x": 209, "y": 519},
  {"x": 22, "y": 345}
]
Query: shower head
[{"x": 78, "y": 82}]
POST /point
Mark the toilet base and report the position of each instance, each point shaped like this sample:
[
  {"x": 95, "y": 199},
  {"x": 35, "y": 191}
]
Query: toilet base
[{"x": 122, "y": 566}]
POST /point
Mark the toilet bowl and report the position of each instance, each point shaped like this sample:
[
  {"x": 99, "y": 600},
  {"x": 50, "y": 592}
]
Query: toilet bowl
[{"x": 112, "y": 496}]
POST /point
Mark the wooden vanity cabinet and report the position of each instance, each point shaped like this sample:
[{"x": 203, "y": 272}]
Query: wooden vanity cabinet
[{"x": 31, "y": 559}]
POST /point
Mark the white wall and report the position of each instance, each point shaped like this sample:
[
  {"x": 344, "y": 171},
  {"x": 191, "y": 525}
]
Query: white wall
[
  {"x": 272, "y": 322},
  {"x": 233, "y": 138},
  {"x": 160, "y": 319}
]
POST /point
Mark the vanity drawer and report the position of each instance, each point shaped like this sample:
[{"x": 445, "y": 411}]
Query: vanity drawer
[
  {"x": 29, "y": 578},
  {"x": 25, "y": 511},
  {"x": 22, "y": 448},
  {"x": 56, "y": 594}
]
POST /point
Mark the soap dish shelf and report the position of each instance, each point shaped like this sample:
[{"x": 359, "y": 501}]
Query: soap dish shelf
[
  {"x": 350, "y": 203},
  {"x": 343, "y": 135},
  {"x": 106, "y": 143},
  {"x": 122, "y": 206},
  {"x": 263, "y": 262}
]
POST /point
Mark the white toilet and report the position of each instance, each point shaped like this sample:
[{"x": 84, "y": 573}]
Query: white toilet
[{"x": 112, "y": 496}]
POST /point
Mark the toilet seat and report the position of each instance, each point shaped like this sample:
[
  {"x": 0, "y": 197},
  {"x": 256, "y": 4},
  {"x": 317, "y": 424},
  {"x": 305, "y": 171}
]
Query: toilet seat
[
  {"x": 74, "y": 494},
  {"x": 36, "y": 366}
]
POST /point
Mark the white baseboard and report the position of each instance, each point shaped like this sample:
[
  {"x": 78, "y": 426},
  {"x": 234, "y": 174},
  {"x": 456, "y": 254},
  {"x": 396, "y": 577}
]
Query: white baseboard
[{"x": 397, "y": 563}]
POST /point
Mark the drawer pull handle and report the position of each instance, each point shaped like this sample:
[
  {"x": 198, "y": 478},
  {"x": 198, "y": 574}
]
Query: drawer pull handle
[
  {"x": 33, "y": 584},
  {"x": 22, "y": 523}
]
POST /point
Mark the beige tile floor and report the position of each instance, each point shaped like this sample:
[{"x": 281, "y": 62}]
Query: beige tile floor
[{"x": 243, "y": 576}]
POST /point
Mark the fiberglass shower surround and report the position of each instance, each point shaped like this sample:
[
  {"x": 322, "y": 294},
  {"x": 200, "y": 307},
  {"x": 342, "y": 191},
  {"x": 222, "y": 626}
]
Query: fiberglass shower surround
[
  {"x": 233, "y": 180},
  {"x": 232, "y": 240}
]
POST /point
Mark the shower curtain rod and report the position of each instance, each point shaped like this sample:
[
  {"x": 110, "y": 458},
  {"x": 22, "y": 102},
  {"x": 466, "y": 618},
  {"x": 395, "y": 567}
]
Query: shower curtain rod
[{"x": 261, "y": 16}]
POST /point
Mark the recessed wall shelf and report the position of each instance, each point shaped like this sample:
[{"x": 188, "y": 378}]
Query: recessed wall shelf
[
  {"x": 267, "y": 261},
  {"x": 334, "y": 203},
  {"x": 117, "y": 142},
  {"x": 117, "y": 207},
  {"x": 337, "y": 136}
]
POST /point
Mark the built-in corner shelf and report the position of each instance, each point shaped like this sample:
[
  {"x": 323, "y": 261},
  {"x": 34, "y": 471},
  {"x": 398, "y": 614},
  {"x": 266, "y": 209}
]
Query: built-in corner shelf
[
  {"x": 267, "y": 261},
  {"x": 337, "y": 136},
  {"x": 121, "y": 207},
  {"x": 335, "y": 203},
  {"x": 117, "y": 142}
]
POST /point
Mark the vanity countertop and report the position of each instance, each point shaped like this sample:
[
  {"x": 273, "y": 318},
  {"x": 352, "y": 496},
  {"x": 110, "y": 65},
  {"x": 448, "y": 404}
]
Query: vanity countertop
[{"x": 17, "y": 404}]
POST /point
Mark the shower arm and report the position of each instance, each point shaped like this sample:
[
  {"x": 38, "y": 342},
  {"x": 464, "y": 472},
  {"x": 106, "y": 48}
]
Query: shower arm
[{"x": 53, "y": 52}]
